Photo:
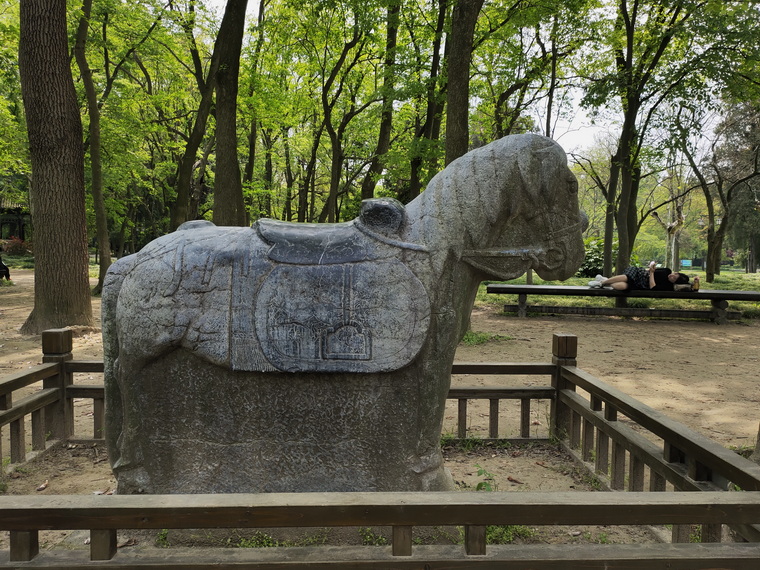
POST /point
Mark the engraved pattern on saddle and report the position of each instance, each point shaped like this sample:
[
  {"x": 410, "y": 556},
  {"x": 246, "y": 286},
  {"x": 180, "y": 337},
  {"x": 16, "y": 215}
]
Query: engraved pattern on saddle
[
  {"x": 339, "y": 298},
  {"x": 352, "y": 317}
]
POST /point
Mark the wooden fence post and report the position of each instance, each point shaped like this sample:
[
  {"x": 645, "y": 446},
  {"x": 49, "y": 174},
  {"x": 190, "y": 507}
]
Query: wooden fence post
[
  {"x": 564, "y": 353},
  {"x": 59, "y": 416}
]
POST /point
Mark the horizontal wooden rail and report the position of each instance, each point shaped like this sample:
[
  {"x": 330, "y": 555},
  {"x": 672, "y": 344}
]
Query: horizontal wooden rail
[
  {"x": 721, "y": 460},
  {"x": 635, "y": 443},
  {"x": 29, "y": 404},
  {"x": 103, "y": 515},
  {"x": 15, "y": 411},
  {"x": 84, "y": 366},
  {"x": 512, "y": 368},
  {"x": 492, "y": 392},
  {"x": 266, "y": 510},
  {"x": 24, "y": 378},
  {"x": 86, "y": 391},
  {"x": 526, "y": 394}
]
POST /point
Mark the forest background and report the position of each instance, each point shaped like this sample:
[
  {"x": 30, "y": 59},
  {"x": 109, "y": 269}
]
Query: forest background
[{"x": 121, "y": 120}]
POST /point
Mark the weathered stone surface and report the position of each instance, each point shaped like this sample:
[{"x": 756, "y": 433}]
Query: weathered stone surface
[{"x": 290, "y": 357}]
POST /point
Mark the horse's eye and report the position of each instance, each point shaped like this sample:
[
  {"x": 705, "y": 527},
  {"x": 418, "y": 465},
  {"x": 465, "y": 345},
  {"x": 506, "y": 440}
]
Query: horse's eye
[{"x": 572, "y": 185}]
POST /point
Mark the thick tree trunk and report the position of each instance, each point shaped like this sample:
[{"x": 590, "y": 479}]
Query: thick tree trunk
[
  {"x": 229, "y": 209},
  {"x": 61, "y": 283},
  {"x": 463, "y": 20}
]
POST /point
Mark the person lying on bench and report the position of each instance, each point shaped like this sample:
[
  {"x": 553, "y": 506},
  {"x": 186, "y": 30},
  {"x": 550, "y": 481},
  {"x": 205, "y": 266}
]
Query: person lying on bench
[{"x": 653, "y": 278}]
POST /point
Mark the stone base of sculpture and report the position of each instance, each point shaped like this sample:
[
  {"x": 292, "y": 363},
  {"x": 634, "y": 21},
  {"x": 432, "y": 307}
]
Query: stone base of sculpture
[{"x": 219, "y": 431}]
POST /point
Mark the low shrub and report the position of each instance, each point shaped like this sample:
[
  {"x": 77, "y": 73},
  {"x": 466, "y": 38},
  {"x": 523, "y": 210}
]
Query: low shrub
[{"x": 16, "y": 246}]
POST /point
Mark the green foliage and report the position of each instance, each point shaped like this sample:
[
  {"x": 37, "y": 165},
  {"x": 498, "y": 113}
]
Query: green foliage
[
  {"x": 499, "y": 534},
  {"x": 370, "y": 538},
  {"x": 470, "y": 443},
  {"x": 264, "y": 540},
  {"x": 593, "y": 261},
  {"x": 488, "y": 483},
  {"x": 448, "y": 438},
  {"x": 162, "y": 538},
  {"x": 310, "y": 93},
  {"x": 472, "y": 338},
  {"x": 259, "y": 540},
  {"x": 4, "y": 462},
  {"x": 507, "y": 534}
]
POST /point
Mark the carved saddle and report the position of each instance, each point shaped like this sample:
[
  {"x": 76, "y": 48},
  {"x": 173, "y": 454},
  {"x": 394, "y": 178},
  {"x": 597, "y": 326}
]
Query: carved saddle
[{"x": 338, "y": 298}]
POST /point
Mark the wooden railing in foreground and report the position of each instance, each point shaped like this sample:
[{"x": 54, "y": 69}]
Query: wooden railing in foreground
[
  {"x": 51, "y": 409},
  {"x": 104, "y": 515},
  {"x": 627, "y": 444}
]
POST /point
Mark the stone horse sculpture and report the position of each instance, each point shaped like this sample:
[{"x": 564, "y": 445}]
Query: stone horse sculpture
[{"x": 316, "y": 357}]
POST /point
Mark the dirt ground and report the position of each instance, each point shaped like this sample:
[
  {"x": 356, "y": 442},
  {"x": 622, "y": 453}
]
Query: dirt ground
[{"x": 699, "y": 373}]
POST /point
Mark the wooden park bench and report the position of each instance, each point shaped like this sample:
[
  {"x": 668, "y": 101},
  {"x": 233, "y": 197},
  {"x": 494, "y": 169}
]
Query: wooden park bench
[{"x": 718, "y": 313}]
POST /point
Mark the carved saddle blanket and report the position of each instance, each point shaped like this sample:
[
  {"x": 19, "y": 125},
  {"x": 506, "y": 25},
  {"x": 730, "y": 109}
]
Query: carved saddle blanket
[{"x": 336, "y": 298}]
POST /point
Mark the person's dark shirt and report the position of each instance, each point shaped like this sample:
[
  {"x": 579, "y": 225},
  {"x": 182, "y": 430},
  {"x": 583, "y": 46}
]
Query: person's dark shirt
[{"x": 661, "y": 282}]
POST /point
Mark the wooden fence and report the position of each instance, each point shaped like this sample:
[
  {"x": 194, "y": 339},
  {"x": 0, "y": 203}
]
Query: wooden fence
[
  {"x": 628, "y": 445},
  {"x": 103, "y": 515}
]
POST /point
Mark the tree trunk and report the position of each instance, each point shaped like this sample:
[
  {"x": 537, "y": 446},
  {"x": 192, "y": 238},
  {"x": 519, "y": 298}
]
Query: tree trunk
[
  {"x": 61, "y": 283},
  {"x": 264, "y": 206},
  {"x": 550, "y": 94},
  {"x": 463, "y": 20},
  {"x": 229, "y": 209},
  {"x": 96, "y": 170},
  {"x": 427, "y": 129},
  {"x": 386, "y": 119},
  {"x": 287, "y": 213},
  {"x": 336, "y": 135},
  {"x": 609, "y": 216},
  {"x": 199, "y": 190},
  {"x": 626, "y": 206},
  {"x": 714, "y": 253},
  {"x": 180, "y": 209},
  {"x": 305, "y": 204},
  {"x": 675, "y": 252}
]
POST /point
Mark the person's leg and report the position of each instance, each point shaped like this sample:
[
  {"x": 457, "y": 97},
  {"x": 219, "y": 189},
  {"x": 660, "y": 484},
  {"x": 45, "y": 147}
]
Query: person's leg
[{"x": 619, "y": 282}]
